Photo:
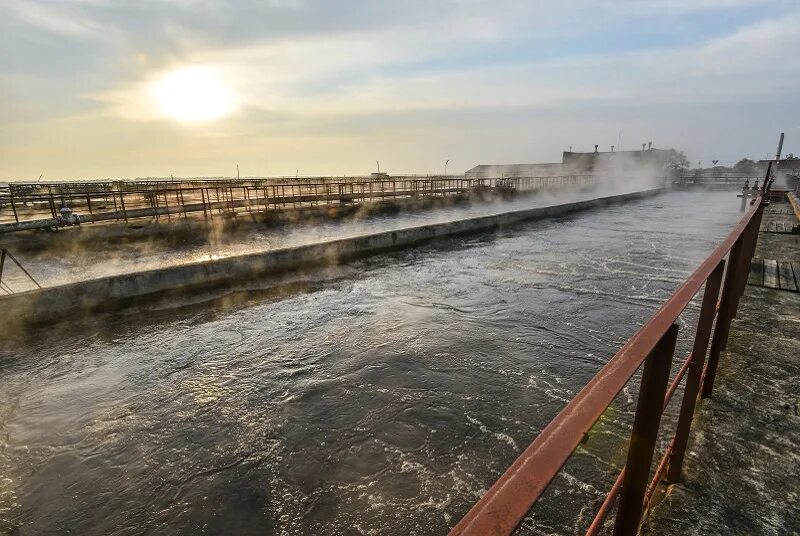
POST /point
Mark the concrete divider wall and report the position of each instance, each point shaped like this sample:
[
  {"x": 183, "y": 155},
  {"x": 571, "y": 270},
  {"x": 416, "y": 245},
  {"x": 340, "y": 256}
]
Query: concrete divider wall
[{"x": 54, "y": 302}]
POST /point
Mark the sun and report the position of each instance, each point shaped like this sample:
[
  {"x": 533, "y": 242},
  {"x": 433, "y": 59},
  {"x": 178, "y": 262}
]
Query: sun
[{"x": 193, "y": 94}]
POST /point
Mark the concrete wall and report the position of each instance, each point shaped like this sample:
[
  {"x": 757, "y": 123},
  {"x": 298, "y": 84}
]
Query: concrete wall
[{"x": 109, "y": 292}]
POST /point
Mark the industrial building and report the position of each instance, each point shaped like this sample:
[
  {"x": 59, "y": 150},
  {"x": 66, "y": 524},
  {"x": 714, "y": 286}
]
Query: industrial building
[{"x": 575, "y": 163}]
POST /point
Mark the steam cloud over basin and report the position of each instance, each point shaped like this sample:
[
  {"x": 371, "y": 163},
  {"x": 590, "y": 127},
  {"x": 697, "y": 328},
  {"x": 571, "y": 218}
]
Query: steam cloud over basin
[
  {"x": 382, "y": 398},
  {"x": 76, "y": 260}
]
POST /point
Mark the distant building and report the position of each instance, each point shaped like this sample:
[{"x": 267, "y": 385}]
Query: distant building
[
  {"x": 591, "y": 162},
  {"x": 785, "y": 166},
  {"x": 492, "y": 171},
  {"x": 575, "y": 163},
  {"x": 788, "y": 171}
]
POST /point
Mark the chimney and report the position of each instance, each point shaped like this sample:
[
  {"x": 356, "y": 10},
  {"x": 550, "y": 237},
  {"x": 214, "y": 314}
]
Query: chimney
[
  {"x": 595, "y": 148},
  {"x": 649, "y": 145},
  {"x": 612, "y": 148},
  {"x": 643, "y": 145}
]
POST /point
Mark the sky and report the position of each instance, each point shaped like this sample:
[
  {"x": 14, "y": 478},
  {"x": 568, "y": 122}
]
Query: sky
[{"x": 112, "y": 88}]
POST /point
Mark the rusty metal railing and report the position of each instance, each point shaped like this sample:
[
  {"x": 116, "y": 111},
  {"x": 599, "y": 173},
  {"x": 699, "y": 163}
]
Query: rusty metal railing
[
  {"x": 724, "y": 276},
  {"x": 41, "y": 205},
  {"x": 45, "y": 205}
]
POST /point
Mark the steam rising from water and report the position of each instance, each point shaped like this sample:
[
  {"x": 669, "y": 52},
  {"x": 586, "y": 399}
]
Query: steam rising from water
[{"x": 66, "y": 257}]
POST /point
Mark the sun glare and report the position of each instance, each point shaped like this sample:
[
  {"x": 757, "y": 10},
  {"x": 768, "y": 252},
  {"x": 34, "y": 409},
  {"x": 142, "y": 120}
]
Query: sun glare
[{"x": 193, "y": 94}]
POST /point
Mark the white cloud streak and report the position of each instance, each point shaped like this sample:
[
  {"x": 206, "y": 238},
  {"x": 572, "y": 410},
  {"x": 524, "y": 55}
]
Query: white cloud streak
[{"x": 354, "y": 74}]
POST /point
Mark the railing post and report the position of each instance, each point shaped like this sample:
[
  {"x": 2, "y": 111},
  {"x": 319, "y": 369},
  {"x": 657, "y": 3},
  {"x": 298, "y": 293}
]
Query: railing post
[
  {"x": 122, "y": 202},
  {"x": 645, "y": 432},
  {"x": 183, "y": 203},
  {"x": 725, "y": 315},
  {"x": 53, "y": 211},
  {"x": 13, "y": 203},
  {"x": 749, "y": 248},
  {"x": 735, "y": 283},
  {"x": 166, "y": 205},
  {"x": 2, "y": 262},
  {"x": 699, "y": 349}
]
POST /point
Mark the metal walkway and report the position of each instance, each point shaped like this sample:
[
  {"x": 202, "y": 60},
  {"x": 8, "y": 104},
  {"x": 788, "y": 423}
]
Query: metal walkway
[
  {"x": 770, "y": 273},
  {"x": 743, "y": 474},
  {"x": 58, "y": 204}
]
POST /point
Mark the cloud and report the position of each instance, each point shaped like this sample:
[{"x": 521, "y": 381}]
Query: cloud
[
  {"x": 508, "y": 79},
  {"x": 374, "y": 71},
  {"x": 55, "y": 18}
]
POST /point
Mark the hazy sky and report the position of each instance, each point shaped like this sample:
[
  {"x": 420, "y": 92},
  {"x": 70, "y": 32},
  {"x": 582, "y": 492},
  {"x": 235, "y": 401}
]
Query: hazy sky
[{"x": 94, "y": 88}]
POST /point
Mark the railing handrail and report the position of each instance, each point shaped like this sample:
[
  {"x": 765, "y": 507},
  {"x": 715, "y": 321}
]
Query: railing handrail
[
  {"x": 500, "y": 510},
  {"x": 40, "y": 205},
  {"x": 276, "y": 181}
]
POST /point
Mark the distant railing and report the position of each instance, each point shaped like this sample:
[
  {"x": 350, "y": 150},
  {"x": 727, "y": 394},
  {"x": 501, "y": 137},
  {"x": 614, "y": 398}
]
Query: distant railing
[
  {"x": 510, "y": 498},
  {"x": 56, "y": 204},
  {"x": 714, "y": 179}
]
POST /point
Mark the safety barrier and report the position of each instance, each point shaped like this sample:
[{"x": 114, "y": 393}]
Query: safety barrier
[
  {"x": 724, "y": 276},
  {"x": 45, "y": 205}
]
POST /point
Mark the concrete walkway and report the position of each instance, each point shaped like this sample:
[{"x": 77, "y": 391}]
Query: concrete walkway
[{"x": 742, "y": 474}]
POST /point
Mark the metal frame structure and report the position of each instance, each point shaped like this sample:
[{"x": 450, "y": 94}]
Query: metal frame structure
[
  {"x": 723, "y": 275},
  {"x": 39, "y": 205}
]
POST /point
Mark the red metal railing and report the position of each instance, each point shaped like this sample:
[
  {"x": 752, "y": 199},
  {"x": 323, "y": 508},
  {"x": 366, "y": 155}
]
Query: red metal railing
[{"x": 508, "y": 501}]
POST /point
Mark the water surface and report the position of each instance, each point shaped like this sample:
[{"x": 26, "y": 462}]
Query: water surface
[{"x": 382, "y": 397}]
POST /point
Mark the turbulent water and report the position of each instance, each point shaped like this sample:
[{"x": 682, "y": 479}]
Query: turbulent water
[{"x": 382, "y": 397}]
